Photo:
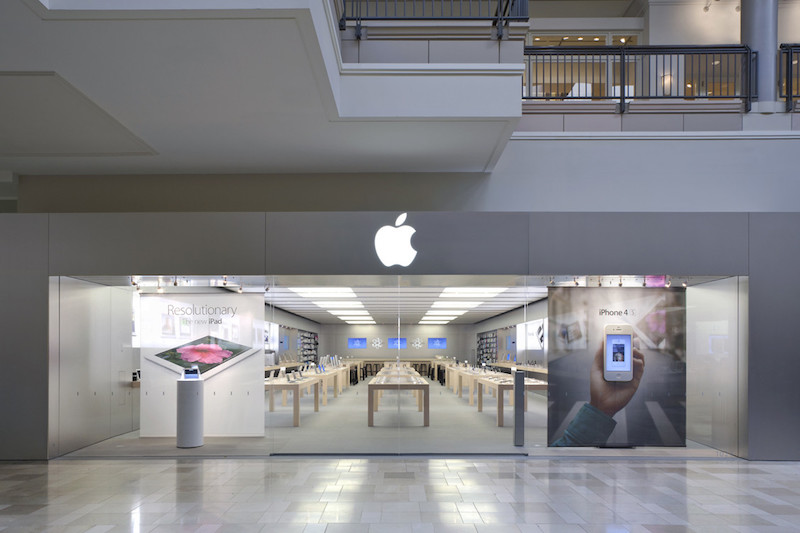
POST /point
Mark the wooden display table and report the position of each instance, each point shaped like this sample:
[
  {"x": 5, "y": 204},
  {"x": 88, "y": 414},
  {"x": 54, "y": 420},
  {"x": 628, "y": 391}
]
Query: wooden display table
[
  {"x": 499, "y": 386},
  {"x": 398, "y": 379},
  {"x": 285, "y": 385},
  {"x": 288, "y": 366},
  {"x": 528, "y": 369}
]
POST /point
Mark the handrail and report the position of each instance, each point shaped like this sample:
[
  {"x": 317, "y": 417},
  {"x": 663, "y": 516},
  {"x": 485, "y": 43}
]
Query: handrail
[
  {"x": 499, "y": 12},
  {"x": 790, "y": 73},
  {"x": 625, "y": 73}
]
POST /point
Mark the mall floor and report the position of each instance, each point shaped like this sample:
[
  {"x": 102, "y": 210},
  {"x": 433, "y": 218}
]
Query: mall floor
[{"x": 375, "y": 494}]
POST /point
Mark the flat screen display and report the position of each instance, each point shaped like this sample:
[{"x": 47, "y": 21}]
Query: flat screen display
[
  {"x": 619, "y": 353},
  {"x": 437, "y": 343},
  {"x": 205, "y": 353},
  {"x": 357, "y": 343},
  {"x": 398, "y": 344}
]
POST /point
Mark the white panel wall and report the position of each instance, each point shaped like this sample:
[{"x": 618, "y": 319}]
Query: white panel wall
[
  {"x": 712, "y": 364},
  {"x": 789, "y": 21},
  {"x": 335, "y": 341},
  {"x": 94, "y": 361}
]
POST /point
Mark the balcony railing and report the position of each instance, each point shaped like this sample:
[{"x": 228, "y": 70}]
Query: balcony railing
[
  {"x": 626, "y": 73},
  {"x": 500, "y": 12},
  {"x": 790, "y": 74}
]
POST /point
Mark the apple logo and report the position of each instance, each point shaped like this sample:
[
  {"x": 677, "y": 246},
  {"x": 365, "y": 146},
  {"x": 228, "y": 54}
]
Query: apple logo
[{"x": 393, "y": 243}]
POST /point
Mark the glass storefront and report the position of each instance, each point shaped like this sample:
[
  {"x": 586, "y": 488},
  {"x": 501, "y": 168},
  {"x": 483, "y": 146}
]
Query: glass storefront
[{"x": 390, "y": 364}]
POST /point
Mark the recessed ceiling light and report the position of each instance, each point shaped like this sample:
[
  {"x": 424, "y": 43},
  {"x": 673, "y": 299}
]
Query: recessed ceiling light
[
  {"x": 455, "y": 304},
  {"x": 339, "y": 304},
  {"x": 361, "y": 322},
  {"x": 433, "y": 323},
  {"x": 324, "y": 292},
  {"x": 580, "y": 38},
  {"x": 445, "y": 312},
  {"x": 439, "y": 317},
  {"x": 622, "y": 40},
  {"x": 566, "y": 38},
  {"x": 354, "y": 317},
  {"x": 348, "y": 311},
  {"x": 688, "y": 85},
  {"x": 472, "y": 292},
  {"x": 715, "y": 62},
  {"x": 537, "y": 38},
  {"x": 597, "y": 38}
]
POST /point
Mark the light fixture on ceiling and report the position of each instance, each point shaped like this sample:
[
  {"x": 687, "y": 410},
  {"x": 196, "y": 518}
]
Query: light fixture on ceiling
[
  {"x": 348, "y": 312},
  {"x": 565, "y": 38},
  {"x": 457, "y": 304},
  {"x": 472, "y": 292},
  {"x": 138, "y": 288},
  {"x": 552, "y": 280},
  {"x": 433, "y": 323},
  {"x": 354, "y": 317},
  {"x": 160, "y": 289},
  {"x": 456, "y": 312},
  {"x": 668, "y": 284},
  {"x": 537, "y": 38},
  {"x": 133, "y": 282},
  {"x": 361, "y": 322},
  {"x": 240, "y": 290},
  {"x": 685, "y": 284},
  {"x": 622, "y": 40},
  {"x": 575, "y": 280},
  {"x": 580, "y": 38},
  {"x": 224, "y": 281},
  {"x": 644, "y": 282},
  {"x": 175, "y": 281},
  {"x": 620, "y": 281},
  {"x": 707, "y": 6},
  {"x": 596, "y": 39},
  {"x": 336, "y": 304},
  {"x": 437, "y": 317},
  {"x": 324, "y": 292}
]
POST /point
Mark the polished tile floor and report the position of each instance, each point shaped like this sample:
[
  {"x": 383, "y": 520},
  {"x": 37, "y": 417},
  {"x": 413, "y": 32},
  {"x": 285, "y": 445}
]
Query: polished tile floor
[{"x": 376, "y": 494}]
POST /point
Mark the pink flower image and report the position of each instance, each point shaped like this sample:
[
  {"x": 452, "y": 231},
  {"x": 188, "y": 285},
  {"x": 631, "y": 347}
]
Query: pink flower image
[{"x": 209, "y": 354}]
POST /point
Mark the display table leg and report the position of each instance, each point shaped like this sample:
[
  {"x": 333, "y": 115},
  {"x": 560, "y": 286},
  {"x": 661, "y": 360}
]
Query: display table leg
[
  {"x": 316, "y": 396},
  {"x": 480, "y": 398},
  {"x": 296, "y": 407},
  {"x": 460, "y": 386},
  {"x": 271, "y": 399},
  {"x": 419, "y": 393},
  {"x": 426, "y": 417},
  {"x": 336, "y": 385},
  {"x": 499, "y": 407},
  {"x": 324, "y": 382},
  {"x": 370, "y": 406}
]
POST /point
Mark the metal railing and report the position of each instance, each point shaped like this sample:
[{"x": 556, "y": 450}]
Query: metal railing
[
  {"x": 500, "y": 12},
  {"x": 626, "y": 73},
  {"x": 790, "y": 74}
]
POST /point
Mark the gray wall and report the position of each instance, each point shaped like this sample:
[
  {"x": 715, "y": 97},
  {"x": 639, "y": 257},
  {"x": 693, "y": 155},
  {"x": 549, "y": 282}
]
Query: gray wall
[
  {"x": 762, "y": 245},
  {"x": 773, "y": 365},
  {"x": 23, "y": 328}
]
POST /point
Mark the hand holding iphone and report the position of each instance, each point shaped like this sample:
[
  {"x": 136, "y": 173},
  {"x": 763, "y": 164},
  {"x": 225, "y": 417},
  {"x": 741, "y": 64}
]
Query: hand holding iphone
[{"x": 618, "y": 352}]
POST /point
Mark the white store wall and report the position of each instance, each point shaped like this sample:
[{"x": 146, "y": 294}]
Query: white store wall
[
  {"x": 716, "y": 358},
  {"x": 92, "y": 357}
]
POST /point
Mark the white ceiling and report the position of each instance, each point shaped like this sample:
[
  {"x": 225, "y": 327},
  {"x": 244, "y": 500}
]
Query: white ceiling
[{"x": 199, "y": 92}]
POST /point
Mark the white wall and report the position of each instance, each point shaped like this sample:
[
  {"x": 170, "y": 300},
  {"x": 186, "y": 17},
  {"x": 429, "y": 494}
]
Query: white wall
[
  {"x": 788, "y": 21},
  {"x": 93, "y": 362},
  {"x": 714, "y": 354},
  {"x": 335, "y": 341},
  {"x": 683, "y": 23}
]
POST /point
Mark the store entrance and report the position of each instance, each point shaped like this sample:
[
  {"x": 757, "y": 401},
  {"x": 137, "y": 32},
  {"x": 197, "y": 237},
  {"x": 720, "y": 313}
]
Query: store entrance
[{"x": 371, "y": 364}]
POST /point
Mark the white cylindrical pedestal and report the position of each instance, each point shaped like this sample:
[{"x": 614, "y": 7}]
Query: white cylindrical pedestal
[{"x": 190, "y": 413}]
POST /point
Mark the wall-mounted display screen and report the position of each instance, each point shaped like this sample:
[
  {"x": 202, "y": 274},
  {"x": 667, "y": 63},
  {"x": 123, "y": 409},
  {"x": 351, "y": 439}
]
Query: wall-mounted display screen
[
  {"x": 437, "y": 343},
  {"x": 395, "y": 343},
  {"x": 357, "y": 343}
]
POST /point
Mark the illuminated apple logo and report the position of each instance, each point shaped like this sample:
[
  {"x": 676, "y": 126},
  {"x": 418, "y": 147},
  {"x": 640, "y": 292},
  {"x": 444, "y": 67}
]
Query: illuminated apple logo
[{"x": 393, "y": 243}]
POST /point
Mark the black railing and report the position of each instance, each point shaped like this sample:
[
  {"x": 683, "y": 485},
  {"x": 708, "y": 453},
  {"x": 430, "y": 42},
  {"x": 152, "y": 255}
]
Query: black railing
[
  {"x": 500, "y": 12},
  {"x": 790, "y": 74},
  {"x": 625, "y": 73}
]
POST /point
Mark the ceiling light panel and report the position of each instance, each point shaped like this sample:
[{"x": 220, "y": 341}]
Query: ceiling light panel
[
  {"x": 338, "y": 304},
  {"x": 433, "y": 323},
  {"x": 361, "y": 322},
  {"x": 324, "y": 292},
  {"x": 437, "y": 317},
  {"x": 338, "y": 312},
  {"x": 455, "y": 304},
  {"x": 471, "y": 292},
  {"x": 357, "y": 317},
  {"x": 433, "y": 312}
]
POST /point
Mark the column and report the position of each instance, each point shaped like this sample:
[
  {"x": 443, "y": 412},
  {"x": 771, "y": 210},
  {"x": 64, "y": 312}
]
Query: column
[{"x": 760, "y": 33}]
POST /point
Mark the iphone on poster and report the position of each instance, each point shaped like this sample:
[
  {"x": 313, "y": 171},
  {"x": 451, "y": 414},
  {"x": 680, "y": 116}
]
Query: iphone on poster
[{"x": 618, "y": 353}]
